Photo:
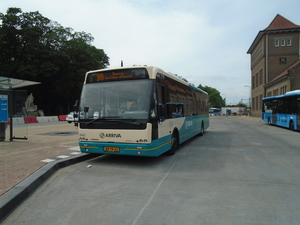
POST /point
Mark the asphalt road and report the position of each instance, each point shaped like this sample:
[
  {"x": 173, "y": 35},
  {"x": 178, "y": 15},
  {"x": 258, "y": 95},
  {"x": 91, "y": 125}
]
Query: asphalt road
[{"x": 239, "y": 172}]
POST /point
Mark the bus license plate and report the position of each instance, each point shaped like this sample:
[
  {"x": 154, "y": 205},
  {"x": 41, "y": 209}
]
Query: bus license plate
[{"x": 111, "y": 149}]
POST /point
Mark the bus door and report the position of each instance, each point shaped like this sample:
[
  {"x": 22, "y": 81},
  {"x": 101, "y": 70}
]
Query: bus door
[
  {"x": 274, "y": 112},
  {"x": 163, "y": 128}
]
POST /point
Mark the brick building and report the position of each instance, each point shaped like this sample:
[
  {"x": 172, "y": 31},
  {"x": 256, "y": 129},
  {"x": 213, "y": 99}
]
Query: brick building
[{"x": 275, "y": 61}]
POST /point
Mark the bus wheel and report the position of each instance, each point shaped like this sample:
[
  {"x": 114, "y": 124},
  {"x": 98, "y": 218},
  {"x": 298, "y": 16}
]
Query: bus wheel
[
  {"x": 174, "y": 144},
  {"x": 291, "y": 125},
  {"x": 202, "y": 130}
]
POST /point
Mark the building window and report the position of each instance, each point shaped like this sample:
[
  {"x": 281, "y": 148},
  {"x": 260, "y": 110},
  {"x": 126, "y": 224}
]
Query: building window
[
  {"x": 256, "y": 103},
  {"x": 261, "y": 77},
  {"x": 284, "y": 89},
  {"x": 282, "y": 42},
  {"x": 256, "y": 80},
  {"x": 282, "y": 61},
  {"x": 260, "y": 101},
  {"x": 289, "y": 42},
  {"x": 276, "y": 42}
]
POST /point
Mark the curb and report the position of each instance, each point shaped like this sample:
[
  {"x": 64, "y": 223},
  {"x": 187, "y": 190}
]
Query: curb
[{"x": 18, "y": 194}]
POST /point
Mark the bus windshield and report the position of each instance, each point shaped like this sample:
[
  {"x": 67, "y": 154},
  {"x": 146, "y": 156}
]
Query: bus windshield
[{"x": 116, "y": 100}]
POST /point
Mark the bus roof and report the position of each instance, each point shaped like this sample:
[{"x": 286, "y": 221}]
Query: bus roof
[
  {"x": 152, "y": 70},
  {"x": 287, "y": 94}
]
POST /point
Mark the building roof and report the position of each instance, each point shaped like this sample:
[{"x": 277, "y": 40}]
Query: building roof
[
  {"x": 279, "y": 22},
  {"x": 284, "y": 73}
]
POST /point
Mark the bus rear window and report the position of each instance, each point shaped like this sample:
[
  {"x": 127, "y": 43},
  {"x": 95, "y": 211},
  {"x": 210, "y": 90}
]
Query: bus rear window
[{"x": 117, "y": 75}]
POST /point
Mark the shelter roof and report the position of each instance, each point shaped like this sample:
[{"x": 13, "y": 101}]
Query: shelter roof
[{"x": 7, "y": 83}]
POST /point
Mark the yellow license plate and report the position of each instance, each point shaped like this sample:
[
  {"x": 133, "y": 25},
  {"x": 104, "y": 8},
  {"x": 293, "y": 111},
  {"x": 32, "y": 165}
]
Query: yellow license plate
[{"x": 111, "y": 149}]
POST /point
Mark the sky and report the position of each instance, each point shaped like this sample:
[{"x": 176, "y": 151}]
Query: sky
[{"x": 206, "y": 42}]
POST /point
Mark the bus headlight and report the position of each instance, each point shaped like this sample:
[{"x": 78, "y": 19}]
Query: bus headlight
[{"x": 142, "y": 141}]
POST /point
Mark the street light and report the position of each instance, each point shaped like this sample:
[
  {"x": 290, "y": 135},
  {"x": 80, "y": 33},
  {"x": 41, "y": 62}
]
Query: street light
[{"x": 224, "y": 99}]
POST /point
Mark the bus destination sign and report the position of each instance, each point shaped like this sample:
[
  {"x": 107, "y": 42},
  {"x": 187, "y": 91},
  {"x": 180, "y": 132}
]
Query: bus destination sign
[{"x": 114, "y": 75}]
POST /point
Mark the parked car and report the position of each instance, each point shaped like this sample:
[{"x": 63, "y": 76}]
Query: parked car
[{"x": 70, "y": 117}]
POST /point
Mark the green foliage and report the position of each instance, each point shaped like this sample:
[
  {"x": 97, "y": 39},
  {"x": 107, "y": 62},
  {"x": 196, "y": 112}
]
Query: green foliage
[
  {"x": 242, "y": 105},
  {"x": 215, "y": 99},
  {"x": 33, "y": 47}
]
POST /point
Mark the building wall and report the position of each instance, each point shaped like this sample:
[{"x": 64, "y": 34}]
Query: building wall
[
  {"x": 279, "y": 88},
  {"x": 258, "y": 76},
  {"x": 273, "y": 54},
  {"x": 283, "y": 51},
  {"x": 294, "y": 75},
  {"x": 237, "y": 110}
]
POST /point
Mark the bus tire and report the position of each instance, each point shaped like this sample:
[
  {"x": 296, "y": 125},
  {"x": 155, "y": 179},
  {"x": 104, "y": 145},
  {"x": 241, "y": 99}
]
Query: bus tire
[
  {"x": 174, "y": 144},
  {"x": 201, "y": 130},
  {"x": 291, "y": 125}
]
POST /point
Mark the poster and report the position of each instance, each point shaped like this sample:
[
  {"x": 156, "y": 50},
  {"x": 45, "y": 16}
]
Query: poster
[{"x": 3, "y": 108}]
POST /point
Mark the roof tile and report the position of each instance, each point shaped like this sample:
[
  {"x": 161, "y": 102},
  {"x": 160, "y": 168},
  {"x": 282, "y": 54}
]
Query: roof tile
[{"x": 279, "y": 22}]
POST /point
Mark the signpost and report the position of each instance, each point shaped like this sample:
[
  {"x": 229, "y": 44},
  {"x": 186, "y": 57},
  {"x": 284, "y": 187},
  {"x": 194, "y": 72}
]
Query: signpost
[
  {"x": 3, "y": 115},
  {"x": 3, "y": 108}
]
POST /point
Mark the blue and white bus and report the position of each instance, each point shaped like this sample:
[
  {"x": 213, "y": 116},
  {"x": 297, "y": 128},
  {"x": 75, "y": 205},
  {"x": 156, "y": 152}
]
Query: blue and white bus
[
  {"x": 139, "y": 110},
  {"x": 282, "y": 110},
  {"x": 215, "y": 111}
]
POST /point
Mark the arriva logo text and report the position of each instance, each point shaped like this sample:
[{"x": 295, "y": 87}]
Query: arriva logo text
[
  {"x": 188, "y": 124},
  {"x": 109, "y": 135}
]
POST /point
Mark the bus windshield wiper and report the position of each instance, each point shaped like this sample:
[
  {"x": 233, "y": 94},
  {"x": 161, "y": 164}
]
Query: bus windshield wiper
[
  {"x": 131, "y": 121},
  {"x": 104, "y": 119},
  {"x": 101, "y": 118}
]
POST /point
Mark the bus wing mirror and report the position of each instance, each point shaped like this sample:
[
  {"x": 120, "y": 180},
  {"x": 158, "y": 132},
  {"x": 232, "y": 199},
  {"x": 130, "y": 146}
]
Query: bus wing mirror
[
  {"x": 75, "y": 107},
  {"x": 152, "y": 105}
]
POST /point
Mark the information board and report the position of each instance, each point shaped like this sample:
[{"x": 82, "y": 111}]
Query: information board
[{"x": 3, "y": 108}]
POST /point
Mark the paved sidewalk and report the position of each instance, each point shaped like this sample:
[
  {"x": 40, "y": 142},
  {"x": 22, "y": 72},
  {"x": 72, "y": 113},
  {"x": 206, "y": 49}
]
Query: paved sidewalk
[
  {"x": 21, "y": 158},
  {"x": 26, "y": 164}
]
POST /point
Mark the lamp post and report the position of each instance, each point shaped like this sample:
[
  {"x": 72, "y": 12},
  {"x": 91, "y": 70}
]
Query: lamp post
[{"x": 224, "y": 99}]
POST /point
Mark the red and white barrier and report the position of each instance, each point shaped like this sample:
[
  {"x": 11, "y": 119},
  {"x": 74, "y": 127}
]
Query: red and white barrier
[
  {"x": 39, "y": 119},
  {"x": 43, "y": 119},
  {"x": 62, "y": 117}
]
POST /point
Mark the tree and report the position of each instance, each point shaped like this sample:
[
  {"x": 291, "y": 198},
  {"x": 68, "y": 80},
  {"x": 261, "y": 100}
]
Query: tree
[
  {"x": 215, "y": 99},
  {"x": 32, "y": 47}
]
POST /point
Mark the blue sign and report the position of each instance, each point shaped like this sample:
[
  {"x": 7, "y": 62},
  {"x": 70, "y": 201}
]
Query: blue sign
[{"x": 3, "y": 108}]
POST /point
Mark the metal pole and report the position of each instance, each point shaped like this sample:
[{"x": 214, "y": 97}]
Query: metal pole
[{"x": 10, "y": 114}]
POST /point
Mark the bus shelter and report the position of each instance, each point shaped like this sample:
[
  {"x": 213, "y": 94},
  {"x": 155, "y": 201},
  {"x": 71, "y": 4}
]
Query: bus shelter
[{"x": 8, "y": 95}]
